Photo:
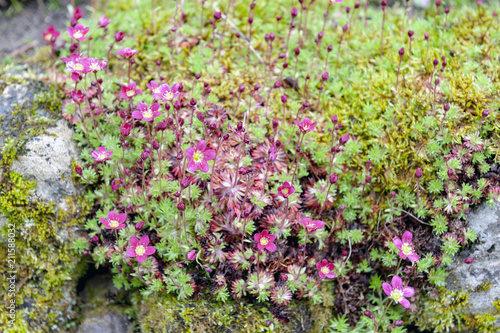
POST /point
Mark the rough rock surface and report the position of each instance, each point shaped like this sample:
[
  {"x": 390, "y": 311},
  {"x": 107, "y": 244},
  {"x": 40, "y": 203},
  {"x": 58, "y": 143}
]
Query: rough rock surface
[
  {"x": 108, "y": 322},
  {"x": 485, "y": 220},
  {"x": 48, "y": 161}
]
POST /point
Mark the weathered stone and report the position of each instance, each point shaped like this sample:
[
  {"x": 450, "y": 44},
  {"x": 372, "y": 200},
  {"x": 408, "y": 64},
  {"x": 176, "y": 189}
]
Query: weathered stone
[
  {"x": 48, "y": 161},
  {"x": 107, "y": 322},
  {"x": 485, "y": 220}
]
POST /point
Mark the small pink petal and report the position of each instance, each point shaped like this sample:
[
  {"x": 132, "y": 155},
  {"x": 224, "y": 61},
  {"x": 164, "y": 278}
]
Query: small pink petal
[
  {"x": 404, "y": 302},
  {"x": 396, "y": 282},
  {"x": 271, "y": 247},
  {"x": 130, "y": 252},
  {"x": 408, "y": 291},
  {"x": 398, "y": 243},
  {"x": 387, "y": 288},
  {"x": 407, "y": 237}
]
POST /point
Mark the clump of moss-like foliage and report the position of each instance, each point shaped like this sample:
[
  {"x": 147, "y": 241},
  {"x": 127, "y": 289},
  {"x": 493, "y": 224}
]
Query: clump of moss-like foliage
[{"x": 229, "y": 124}]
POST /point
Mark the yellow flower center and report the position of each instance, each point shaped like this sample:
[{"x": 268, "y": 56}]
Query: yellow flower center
[
  {"x": 94, "y": 66},
  {"x": 130, "y": 93},
  {"x": 114, "y": 223},
  {"x": 397, "y": 295},
  {"x": 102, "y": 156},
  {"x": 197, "y": 156},
  {"x": 147, "y": 114},
  {"x": 325, "y": 270},
  {"x": 284, "y": 191},
  {"x": 48, "y": 37},
  {"x": 77, "y": 34},
  {"x": 78, "y": 67},
  {"x": 406, "y": 248},
  {"x": 168, "y": 95},
  {"x": 264, "y": 241},
  {"x": 140, "y": 250},
  {"x": 156, "y": 90}
]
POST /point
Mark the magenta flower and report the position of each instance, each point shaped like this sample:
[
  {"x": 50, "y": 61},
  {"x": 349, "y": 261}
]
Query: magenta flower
[
  {"x": 397, "y": 292},
  {"x": 265, "y": 241},
  {"x": 325, "y": 269},
  {"x": 114, "y": 220},
  {"x": 306, "y": 125},
  {"x": 146, "y": 113},
  {"x": 78, "y": 32},
  {"x": 50, "y": 35},
  {"x": 78, "y": 96},
  {"x": 116, "y": 184},
  {"x": 130, "y": 91},
  {"x": 199, "y": 156},
  {"x": 405, "y": 247},
  {"x": 94, "y": 65},
  {"x": 75, "y": 64},
  {"x": 166, "y": 93},
  {"x": 103, "y": 21},
  {"x": 139, "y": 248},
  {"x": 312, "y": 225},
  {"x": 101, "y": 154},
  {"x": 154, "y": 87},
  {"x": 127, "y": 52},
  {"x": 286, "y": 190}
]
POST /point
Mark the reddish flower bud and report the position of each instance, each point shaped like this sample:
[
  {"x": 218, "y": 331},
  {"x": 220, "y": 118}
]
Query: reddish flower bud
[
  {"x": 368, "y": 314},
  {"x": 344, "y": 28},
  {"x": 447, "y": 10},
  {"x": 325, "y": 76},
  {"x": 333, "y": 178},
  {"x": 284, "y": 98},
  {"x": 217, "y": 15},
  {"x": 446, "y": 107},
  {"x": 125, "y": 129},
  {"x": 191, "y": 255},
  {"x": 78, "y": 170},
  {"x": 295, "y": 12},
  {"x": 119, "y": 36},
  {"x": 344, "y": 253},
  {"x": 418, "y": 173},
  {"x": 426, "y": 35},
  {"x": 450, "y": 172},
  {"x": 139, "y": 225},
  {"x": 181, "y": 206},
  {"x": 438, "y": 3},
  {"x": 356, "y": 5},
  {"x": 95, "y": 238},
  {"x": 435, "y": 62},
  {"x": 401, "y": 51},
  {"x": 469, "y": 260},
  {"x": 344, "y": 138},
  {"x": 485, "y": 113},
  {"x": 384, "y": 3}
]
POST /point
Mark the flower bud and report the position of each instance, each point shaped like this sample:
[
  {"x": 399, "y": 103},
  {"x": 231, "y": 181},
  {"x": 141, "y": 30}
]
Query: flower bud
[
  {"x": 144, "y": 155},
  {"x": 325, "y": 76},
  {"x": 125, "y": 129},
  {"x": 450, "y": 172},
  {"x": 426, "y": 35},
  {"x": 410, "y": 33},
  {"x": 384, "y": 3},
  {"x": 241, "y": 89},
  {"x": 401, "y": 51},
  {"x": 78, "y": 170},
  {"x": 191, "y": 255},
  {"x": 333, "y": 178},
  {"x": 95, "y": 238},
  {"x": 469, "y": 260},
  {"x": 446, "y": 107},
  {"x": 418, "y": 173},
  {"x": 368, "y": 314},
  {"x": 295, "y": 12},
  {"x": 435, "y": 62},
  {"x": 368, "y": 179},
  {"x": 275, "y": 122},
  {"x": 284, "y": 98},
  {"x": 217, "y": 15},
  {"x": 356, "y": 5},
  {"x": 181, "y": 206},
  {"x": 119, "y": 36},
  {"x": 344, "y": 138},
  {"x": 139, "y": 225},
  {"x": 485, "y": 113}
]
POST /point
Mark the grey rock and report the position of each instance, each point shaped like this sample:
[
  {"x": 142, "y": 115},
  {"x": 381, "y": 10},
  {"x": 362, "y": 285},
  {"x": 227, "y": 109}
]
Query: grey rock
[
  {"x": 422, "y": 3},
  {"x": 48, "y": 161},
  {"x": 485, "y": 220},
  {"x": 108, "y": 322}
]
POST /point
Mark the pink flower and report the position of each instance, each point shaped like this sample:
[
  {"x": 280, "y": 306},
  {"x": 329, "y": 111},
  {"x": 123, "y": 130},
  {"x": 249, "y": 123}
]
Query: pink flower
[
  {"x": 130, "y": 91},
  {"x": 405, "y": 247},
  {"x": 306, "y": 125},
  {"x": 199, "y": 156},
  {"x": 166, "y": 93},
  {"x": 312, "y": 225},
  {"x": 116, "y": 184},
  {"x": 114, "y": 220},
  {"x": 397, "y": 292},
  {"x": 94, "y": 65},
  {"x": 78, "y": 32},
  {"x": 286, "y": 190},
  {"x": 146, "y": 113},
  {"x": 75, "y": 64},
  {"x": 265, "y": 241},
  {"x": 154, "y": 87},
  {"x": 101, "y": 154},
  {"x": 50, "y": 35},
  {"x": 139, "y": 248},
  {"x": 78, "y": 96},
  {"x": 103, "y": 21},
  {"x": 325, "y": 269},
  {"x": 127, "y": 52}
]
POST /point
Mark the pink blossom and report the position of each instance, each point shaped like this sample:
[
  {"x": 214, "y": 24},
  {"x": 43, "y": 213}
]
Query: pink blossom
[
  {"x": 103, "y": 21},
  {"x": 199, "y": 156},
  {"x": 325, "y": 269},
  {"x": 139, "y": 248},
  {"x": 78, "y": 32},
  {"x": 130, "y": 91},
  {"x": 127, "y": 52},
  {"x": 265, "y": 241},
  {"x": 312, "y": 225},
  {"x": 94, "y": 65},
  {"x": 396, "y": 291},
  {"x": 116, "y": 184},
  {"x": 166, "y": 93},
  {"x": 146, "y": 113},
  {"x": 50, "y": 35},
  {"x": 75, "y": 64},
  {"x": 154, "y": 87},
  {"x": 101, "y": 154},
  {"x": 114, "y": 220},
  {"x": 306, "y": 125},
  {"x": 286, "y": 190},
  {"x": 405, "y": 247},
  {"x": 78, "y": 96}
]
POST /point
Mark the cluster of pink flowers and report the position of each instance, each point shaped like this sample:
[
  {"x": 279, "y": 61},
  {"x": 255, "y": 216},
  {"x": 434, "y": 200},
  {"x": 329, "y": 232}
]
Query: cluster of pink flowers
[{"x": 77, "y": 65}]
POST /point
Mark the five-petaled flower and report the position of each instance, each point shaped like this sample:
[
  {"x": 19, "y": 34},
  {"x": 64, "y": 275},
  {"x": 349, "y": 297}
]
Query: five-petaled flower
[
  {"x": 154, "y": 87},
  {"x": 116, "y": 184},
  {"x": 78, "y": 32},
  {"x": 95, "y": 65},
  {"x": 396, "y": 291},
  {"x": 166, "y": 93},
  {"x": 306, "y": 125},
  {"x": 78, "y": 96},
  {"x": 265, "y": 240},
  {"x": 405, "y": 247},
  {"x": 146, "y": 113},
  {"x": 101, "y": 154},
  {"x": 199, "y": 156},
  {"x": 76, "y": 65},
  {"x": 114, "y": 220},
  {"x": 50, "y": 35},
  {"x": 127, "y": 52},
  {"x": 130, "y": 91},
  {"x": 325, "y": 269},
  {"x": 140, "y": 249},
  {"x": 286, "y": 190},
  {"x": 103, "y": 21},
  {"x": 312, "y": 225}
]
